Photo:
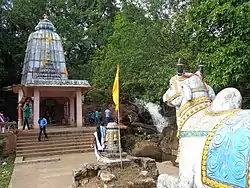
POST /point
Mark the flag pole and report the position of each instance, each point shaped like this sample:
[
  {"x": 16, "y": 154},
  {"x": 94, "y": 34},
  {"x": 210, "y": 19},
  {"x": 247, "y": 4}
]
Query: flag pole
[
  {"x": 119, "y": 123},
  {"x": 119, "y": 135},
  {"x": 116, "y": 99}
]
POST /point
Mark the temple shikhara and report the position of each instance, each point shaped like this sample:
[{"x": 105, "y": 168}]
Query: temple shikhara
[{"x": 45, "y": 80}]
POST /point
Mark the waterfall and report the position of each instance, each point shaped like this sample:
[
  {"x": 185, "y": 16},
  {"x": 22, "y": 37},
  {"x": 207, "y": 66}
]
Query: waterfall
[{"x": 159, "y": 121}]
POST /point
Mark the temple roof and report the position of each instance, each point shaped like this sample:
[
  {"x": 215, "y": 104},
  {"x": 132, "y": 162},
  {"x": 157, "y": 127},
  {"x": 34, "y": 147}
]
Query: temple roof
[{"x": 44, "y": 63}]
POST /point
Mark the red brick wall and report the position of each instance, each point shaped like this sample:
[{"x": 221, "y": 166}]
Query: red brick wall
[{"x": 9, "y": 142}]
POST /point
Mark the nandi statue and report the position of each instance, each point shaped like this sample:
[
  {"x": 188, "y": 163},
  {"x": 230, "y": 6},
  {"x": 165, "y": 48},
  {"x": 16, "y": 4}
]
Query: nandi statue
[{"x": 213, "y": 132}]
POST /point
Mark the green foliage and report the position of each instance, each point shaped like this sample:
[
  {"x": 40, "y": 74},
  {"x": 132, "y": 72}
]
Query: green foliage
[
  {"x": 146, "y": 49},
  {"x": 6, "y": 171},
  {"x": 145, "y": 37},
  {"x": 219, "y": 35},
  {"x": 82, "y": 25},
  {"x": 141, "y": 135}
]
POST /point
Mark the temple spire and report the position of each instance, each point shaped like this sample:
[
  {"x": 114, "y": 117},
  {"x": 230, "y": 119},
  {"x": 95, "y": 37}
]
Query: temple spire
[{"x": 44, "y": 57}]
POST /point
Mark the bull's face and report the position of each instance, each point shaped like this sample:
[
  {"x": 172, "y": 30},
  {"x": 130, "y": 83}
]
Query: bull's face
[
  {"x": 186, "y": 86},
  {"x": 178, "y": 91}
]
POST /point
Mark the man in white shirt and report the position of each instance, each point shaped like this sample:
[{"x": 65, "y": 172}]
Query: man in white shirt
[{"x": 108, "y": 115}]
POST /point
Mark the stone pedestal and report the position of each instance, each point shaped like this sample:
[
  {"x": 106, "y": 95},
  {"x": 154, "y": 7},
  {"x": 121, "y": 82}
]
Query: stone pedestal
[{"x": 112, "y": 138}]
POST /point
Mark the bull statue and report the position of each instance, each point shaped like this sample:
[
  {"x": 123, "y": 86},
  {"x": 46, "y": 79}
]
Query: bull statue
[{"x": 213, "y": 132}]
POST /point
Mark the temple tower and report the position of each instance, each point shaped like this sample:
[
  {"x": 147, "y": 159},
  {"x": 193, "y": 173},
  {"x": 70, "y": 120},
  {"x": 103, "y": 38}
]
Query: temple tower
[
  {"x": 44, "y": 56},
  {"x": 45, "y": 79}
]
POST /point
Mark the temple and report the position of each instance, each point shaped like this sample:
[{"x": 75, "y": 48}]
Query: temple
[{"x": 45, "y": 80}]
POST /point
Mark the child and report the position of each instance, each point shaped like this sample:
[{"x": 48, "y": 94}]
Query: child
[{"x": 42, "y": 124}]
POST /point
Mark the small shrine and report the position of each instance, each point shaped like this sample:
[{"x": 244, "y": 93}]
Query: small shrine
[{"x": 45, "y": 80}]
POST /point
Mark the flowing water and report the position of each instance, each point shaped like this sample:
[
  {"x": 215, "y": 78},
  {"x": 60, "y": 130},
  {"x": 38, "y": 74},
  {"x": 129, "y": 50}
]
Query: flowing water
[{"x": 159, "y": 121}]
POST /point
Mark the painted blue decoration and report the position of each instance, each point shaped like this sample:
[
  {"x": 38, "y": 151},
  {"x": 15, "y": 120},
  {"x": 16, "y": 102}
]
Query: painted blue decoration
[{"x": 228, "y": 153}]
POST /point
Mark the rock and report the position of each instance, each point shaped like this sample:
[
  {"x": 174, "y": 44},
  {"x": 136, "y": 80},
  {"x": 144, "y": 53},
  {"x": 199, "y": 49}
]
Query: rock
[
  {"x": 147, "y": 164},
  {"x": 169, "y": 143},
  {"x": 143, "y": 183},
  {"x": 147, "y": 148},
  {"x": 150, "y": 165},
  {"x": 106, "y": 176},
  {"x": 82, "y": 176},
  {"x": 150, "y": 129},
  {"x": 143, "y": 173}
]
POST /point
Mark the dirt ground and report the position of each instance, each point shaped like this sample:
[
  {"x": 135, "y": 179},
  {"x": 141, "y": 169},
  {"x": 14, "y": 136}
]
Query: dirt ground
[{"x": 59, "y": 173}]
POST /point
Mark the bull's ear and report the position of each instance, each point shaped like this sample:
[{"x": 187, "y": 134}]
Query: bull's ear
[
  {"x": 186, "y": 92},
  {"x": 211, "y": 93}
]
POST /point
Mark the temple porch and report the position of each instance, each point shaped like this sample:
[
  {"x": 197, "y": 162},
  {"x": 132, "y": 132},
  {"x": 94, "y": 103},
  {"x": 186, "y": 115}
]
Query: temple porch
[{"x": 68, "y": 103}]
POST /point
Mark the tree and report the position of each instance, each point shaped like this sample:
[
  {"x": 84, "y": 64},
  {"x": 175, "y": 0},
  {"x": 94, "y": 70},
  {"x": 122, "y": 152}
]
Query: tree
[
  {"x": 82, "y": 25},
  {"x": 219, "y": 35},
  {"x": 147, "y": 49}
]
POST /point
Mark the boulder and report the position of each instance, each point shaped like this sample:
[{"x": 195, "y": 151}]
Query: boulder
[
  {"x": 81, "y": 176},
  {"x": 143, "y": 183},
  {"x": 146, "y": 148},
  {"x": 142, "y": 127},
  {"x": 143, "y": 173},
  {"x": 169, "y": 143},
  {"x": 106, "y": 176}
]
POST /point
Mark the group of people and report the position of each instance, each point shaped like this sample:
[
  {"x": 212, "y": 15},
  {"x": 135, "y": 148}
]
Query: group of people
[
  {"x": 95, "y": 117},
  {"x": 42, "y": 121}
]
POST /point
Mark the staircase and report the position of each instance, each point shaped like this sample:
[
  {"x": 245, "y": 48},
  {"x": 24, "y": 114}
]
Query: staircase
[{"x": 62, "y": 142}]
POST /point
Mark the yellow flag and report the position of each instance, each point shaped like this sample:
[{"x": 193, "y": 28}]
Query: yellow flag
[{"x": 116, "y": 89}]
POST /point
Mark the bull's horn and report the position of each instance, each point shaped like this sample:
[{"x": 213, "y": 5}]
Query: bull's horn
[
  {"x": 180, "y": 67},
  {"x": 201, "y": 70}
]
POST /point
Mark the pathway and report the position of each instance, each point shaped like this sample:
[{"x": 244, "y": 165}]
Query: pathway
[{"x": 58, "y": 173}]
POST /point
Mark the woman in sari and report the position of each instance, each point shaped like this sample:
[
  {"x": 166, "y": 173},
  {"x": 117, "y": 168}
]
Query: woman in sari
[{"x": 97, "y": 142}]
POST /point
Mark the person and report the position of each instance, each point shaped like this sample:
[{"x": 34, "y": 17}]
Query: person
[
  {"x": 97, "y": 117},
  {"x": 97, "y": 143},
  {"x": 89, "y": 118},
  {"x": 103, "y": 133},
  {"x": 42, "y": 124},
  {"x": 93, "y": 117},
  {"x": 108, "y": 115},
  {"x": 2, "y": 122},
  {"x": 26, "y": 114}
]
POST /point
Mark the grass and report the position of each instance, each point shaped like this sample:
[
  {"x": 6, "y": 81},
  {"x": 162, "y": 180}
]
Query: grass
[{"x": 6, "y": 171}]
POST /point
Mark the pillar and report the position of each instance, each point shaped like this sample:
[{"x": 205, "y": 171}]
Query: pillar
[
  {"x": 72, "y": 111},
  {"x": 20, "y": 111},
  {"x": 36, "y": 113},
  {"x": 79, "y": 108}
]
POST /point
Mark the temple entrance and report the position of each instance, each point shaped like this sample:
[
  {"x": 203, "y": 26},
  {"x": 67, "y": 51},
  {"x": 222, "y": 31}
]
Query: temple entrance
[{"x": 54, "y": 110}]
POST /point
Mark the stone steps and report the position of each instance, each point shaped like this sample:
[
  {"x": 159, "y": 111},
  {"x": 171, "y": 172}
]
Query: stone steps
[
  {"x": 52, "y": 145},
  {"x": 61, "y": 142},
  {"x": 23, "y": 137},
  {"x": 52, "y": 149},
  {"x": 51, "y": 153},
  {"x": 54, "y": 138},
  {"x": 45, "y": 142}
]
